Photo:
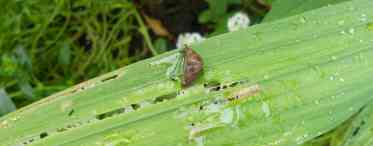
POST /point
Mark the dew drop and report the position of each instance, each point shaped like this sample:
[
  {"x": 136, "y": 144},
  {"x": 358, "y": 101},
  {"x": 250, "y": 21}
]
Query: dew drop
[
  {"x": 363, "y": 18},
  {"x": 333, "y": 97},
  {"x": 331, "y": 116},
  {"x": 317, "y": 102},
  {"x": 331, "y": 119},
  {"x": 303, "y": 20},
  {"x": 351, "y": 8},
  {"x": 341, "y": 22},
  {"x": 301, "y": 139},
  {"x": 319, "y": 133},
  {"x": 351, "y": 31},
  {"x": 332, "y": 78}
]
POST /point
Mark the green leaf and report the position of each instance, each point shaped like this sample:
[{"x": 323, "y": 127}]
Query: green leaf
[
  {"x": 280, "y": 83},
  {"x": 359, "y": 131},
  {"x": 6, "y": 104},
  {"x": 221, "y": 26},
  {"x": 216, "y": 10},
  {"x": 26, "y": 89},
  {"x": 286, "y": 8},
  {"x": 318, "y": 142},
  {"x": 176, "y": 70},
  {"x": 8, "y": 65},
  {"x": 23, "y": 58},
  {"x": 160, "y": 45},
  {"x": 269, "y": 1},
  {"x": 205, "y": 16}
]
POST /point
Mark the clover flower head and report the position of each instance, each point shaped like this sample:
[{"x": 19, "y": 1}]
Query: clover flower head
[
  {"x": 188, "y": 39},
  {"x": 238, "y": 21}
]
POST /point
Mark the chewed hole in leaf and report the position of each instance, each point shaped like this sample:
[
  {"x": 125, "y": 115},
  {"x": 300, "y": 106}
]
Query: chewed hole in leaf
[
  {"x": 61, "y": 129},
  {"x": 217, "y": 86},
  {"x": 244, "y": 92},
  {"x": 112, "y": 77},
  {"x": 357, "y": 129},
  {"x": 234, "y": 84},
  {"x": 86, "y": 85},
  {"x": 211, "y": 84},
  {"x": 135, "y": 106},
  {"x": 213, "y": 88},
  {"x": 71, "y": 112},
  {"x": 30, "y": 140},
  {"x": 43, "y": 135},
  {"x": 164, "y": 98},
  {"x": 82, "y": 86},
  {"x": 110, "y": 114}
]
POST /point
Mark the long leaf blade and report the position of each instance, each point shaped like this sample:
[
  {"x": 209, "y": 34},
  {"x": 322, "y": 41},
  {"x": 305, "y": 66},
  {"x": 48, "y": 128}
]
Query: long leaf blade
[{"x": 311, "y": 80}]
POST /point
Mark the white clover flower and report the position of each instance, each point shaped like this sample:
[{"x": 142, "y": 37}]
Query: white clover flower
[
  {"x": 238, "y": 21},
  {"x": 188, "y": 39}
]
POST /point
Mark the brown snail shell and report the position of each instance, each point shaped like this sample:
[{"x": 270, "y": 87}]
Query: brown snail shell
[{"x": 193, "y": 65}]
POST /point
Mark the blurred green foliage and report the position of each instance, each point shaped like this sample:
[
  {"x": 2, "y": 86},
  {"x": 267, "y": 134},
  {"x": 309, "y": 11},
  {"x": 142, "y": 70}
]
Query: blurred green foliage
[
  {"x": 49, "y": 45},
  {"x": 6, "y": 104},
  {"x": 218, "y": 13}
]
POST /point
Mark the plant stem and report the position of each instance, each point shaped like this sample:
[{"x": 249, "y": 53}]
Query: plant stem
[{"x": 143, "y": 30}]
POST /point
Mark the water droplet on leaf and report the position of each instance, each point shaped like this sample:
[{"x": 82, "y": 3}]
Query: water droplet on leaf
[
  {"x": 303, "y": 20},
  {"x": 341, "y": 22},
  {"x": 351, "y": 31}
]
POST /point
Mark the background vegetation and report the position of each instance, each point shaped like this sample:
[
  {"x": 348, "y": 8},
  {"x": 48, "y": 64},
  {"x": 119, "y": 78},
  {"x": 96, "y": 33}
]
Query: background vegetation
[
  {"x": 310, "y": 73},
  {"x": 49, "y": 45}
]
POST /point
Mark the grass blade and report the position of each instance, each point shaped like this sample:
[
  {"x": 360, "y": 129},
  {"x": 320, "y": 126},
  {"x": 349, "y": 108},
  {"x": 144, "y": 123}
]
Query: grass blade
[
  {"x": 285, "y": 8},
  {"x": 358, "y": 132},
  {"x": 6, "y": 104},
  {"x": 310, "y": 81}
]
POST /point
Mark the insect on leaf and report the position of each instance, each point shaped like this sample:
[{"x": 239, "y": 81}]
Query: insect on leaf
[
  {"x": 193, "y": 65},
  {"x": 175, "y": 72},
  {"x": 186, "y": 68}
]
